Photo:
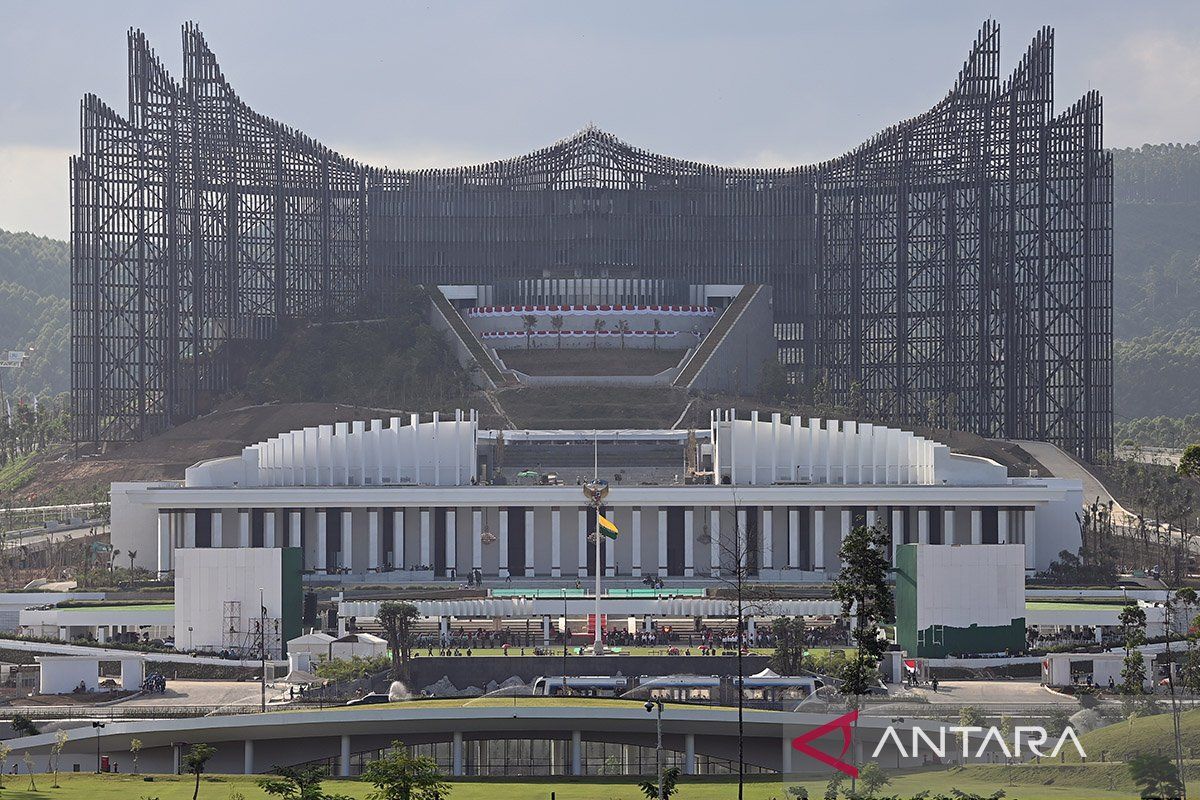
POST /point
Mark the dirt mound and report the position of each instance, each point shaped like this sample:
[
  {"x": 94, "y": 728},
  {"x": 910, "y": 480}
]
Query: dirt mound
[{"x": 61, "y": 477}]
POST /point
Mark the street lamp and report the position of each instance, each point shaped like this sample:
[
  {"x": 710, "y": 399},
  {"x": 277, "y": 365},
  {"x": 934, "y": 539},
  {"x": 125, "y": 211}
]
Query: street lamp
[
  {"x": 262, "y": 648},
  {"x": 97, "y": 726},
  {"x": 651, "y": 706}
]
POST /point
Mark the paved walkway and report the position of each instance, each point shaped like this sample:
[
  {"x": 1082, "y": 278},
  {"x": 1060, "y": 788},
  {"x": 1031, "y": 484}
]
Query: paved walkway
[{"x": 992, "y": 693}]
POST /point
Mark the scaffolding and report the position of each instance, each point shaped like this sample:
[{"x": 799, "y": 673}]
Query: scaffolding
[{"x": 953, "y": 271}]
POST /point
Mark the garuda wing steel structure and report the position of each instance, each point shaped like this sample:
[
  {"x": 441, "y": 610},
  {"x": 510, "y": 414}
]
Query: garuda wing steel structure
[{"x": 954, "y": 270}]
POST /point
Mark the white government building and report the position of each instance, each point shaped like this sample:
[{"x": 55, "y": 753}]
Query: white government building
[{"x": 426, "y": 497}]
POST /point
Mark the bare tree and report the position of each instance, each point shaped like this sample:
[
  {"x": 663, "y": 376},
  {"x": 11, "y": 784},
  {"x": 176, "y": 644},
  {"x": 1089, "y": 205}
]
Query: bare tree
[{"x": 736, "y": 563}]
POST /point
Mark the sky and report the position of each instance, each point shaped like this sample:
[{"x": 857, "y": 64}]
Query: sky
[{"x": 413, "y": 85}]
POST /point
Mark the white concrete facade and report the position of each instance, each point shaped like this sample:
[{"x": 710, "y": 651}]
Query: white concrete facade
[{"x": 783, "y": 495}]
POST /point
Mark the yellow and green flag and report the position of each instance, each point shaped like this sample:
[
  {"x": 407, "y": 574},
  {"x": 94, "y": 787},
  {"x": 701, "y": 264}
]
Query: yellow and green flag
[{"x": 606, "y": 526}]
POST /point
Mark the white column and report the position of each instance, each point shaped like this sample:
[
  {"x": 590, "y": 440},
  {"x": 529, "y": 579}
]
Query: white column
[
  {"x": 322, "y": 541},
  {"x": 610, "y": 551},
  {"x": 1030, "y": 539},
  {"x": 425, "y": 551},
  {"x": 847, "y": 522},
  {"x": 1002, "y": 526},
  {"x": 457, "y": 755},
  {"x": 546, "y": 629},
  {"x": 503, "y": 543},
  {"x": 344, "y": 762},
  {"x": 872, "y": 517},
  {"x": 786, "y": 760},
  {"x": 948, "y": 525},
  {"x": 372, "y": 540},
  {"x": 740, "y": 546},
  {"x": 529, "y": 543},
  {"x": 714, "y": 535},
  {"x": 976, "y": 526},
  {"x": 451, "y": 542},
  {"x": 923, "y": 526},
  {"x": 689, "y": 754},
  {"x": 689, "y": 535},
  {"x": 189, "y": 529},
  {"x": 581, "y": 567},
  {"x": 818, "y": 538},
  {"x": 576, "y": 753},
  {"x": 294, "y": 529},
  {"x": 347, "y": 540},
  {"x": 897, "y": 532},
  {"x": 662, "y": 542},
  {"x": 243, "y": 527},
  {"x": 793, "y": 538},
  {"x": 398, "y": 538},
  {"x": 269, "y": 527},
  {"x": 164, "y": 543},
  {"x": 248, "y": 757},
  {"x": 635, "y": 538},
  {"x": 477, "y": 538},
  {"x": 766, "y": 534},
  {"x": 556, "y": 543},
  {"x": 216, "y": 518}
]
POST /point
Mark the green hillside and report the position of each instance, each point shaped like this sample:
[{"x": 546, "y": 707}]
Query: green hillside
[
  {"x": 35, "y": 312},
  {"x": 1151, "y": 734}
]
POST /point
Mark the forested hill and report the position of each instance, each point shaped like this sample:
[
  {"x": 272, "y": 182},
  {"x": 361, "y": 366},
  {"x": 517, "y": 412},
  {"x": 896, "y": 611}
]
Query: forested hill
[
  {"x": 1157, "y": 292},
  {"x": 35, "y": 312}
]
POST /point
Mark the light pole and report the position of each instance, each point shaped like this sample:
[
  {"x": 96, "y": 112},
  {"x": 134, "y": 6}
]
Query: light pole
[
  {"x": 262, "y": 649},
  {"x": 97, "y": 726},
  {"x": 651, "y": 706}
]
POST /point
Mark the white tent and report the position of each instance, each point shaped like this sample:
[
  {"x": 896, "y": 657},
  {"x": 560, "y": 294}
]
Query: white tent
[
  {"x": 363, "y": 645},
  {"x": 315, "y": 644}
]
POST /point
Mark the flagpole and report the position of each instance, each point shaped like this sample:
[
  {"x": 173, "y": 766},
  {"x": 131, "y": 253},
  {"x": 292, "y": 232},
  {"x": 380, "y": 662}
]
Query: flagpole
[{"x": 598, "y": 644}]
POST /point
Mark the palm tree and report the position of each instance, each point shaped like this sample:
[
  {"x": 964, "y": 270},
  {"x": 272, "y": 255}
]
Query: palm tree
[
  {"x": 657, "y": 330},
  {"x": 132, "y": 555},
  {"x": 112, "y": 561},
  {"x": 596, "y": 328},
  {"x": 556, "y": 322},
  {"x": 623, "y": 328},
  {"x": 528, "y": 320}
]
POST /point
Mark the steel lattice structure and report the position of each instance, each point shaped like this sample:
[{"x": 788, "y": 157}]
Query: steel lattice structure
[{"x": 956, "y": 269}]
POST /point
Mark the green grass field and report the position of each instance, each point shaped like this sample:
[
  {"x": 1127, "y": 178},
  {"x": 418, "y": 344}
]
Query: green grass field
[
  {"x": 123, "y": 607},
  {"x": 1144, "y": 735},
  {"x": 1046, "y": 782},
  {"x": 1050, "y": 605}
]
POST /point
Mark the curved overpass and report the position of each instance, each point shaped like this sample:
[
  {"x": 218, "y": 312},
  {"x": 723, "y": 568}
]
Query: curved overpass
[{"x": 258, "y": 742}]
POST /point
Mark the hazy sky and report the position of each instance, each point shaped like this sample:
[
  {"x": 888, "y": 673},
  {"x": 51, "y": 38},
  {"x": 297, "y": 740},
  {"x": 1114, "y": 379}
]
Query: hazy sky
[{"x": 436, "y": 84}]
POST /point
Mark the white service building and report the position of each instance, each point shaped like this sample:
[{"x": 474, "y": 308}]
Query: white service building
[{"x": 410, "y": 499}]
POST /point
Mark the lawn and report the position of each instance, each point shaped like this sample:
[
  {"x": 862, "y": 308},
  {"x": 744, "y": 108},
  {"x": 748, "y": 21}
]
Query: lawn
[
  {"x": 1047, "y": 782},
  {"x": 1051, "y": 605},
  {"x": 119, "y": 607},
  {"x": 1143, "y": 735}
]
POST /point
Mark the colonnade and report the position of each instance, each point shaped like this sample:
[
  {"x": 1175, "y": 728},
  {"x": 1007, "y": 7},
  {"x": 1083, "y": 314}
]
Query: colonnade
[{"x": 788, "y": 542}]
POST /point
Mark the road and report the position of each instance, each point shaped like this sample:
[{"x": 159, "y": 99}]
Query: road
[
  {"x": 1063, "y": 465},
  {"x": 202, "y": 693}
]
